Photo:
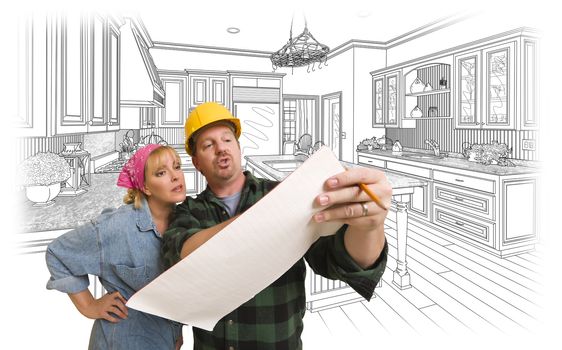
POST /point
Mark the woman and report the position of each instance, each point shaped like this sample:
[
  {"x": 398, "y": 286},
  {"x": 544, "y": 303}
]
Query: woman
[{"x": 122, "y": 248}]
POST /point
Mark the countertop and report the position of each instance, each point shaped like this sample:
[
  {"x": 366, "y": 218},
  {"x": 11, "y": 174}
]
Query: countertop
[
  {"x": 397, "y": 181},
  {"x": 460, "y": 163},
  {"x": 71, "y": 212}
]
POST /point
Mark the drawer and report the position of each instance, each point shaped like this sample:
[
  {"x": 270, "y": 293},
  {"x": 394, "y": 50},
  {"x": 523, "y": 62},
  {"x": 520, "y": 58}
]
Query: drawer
[
  {"x": 370, "y": 161},
  {"x": 456, "y": 223},
  {"x": 473, "y": 182},
  {"x": 409, "y": 169},
  {"x": 476, "y": 203}
]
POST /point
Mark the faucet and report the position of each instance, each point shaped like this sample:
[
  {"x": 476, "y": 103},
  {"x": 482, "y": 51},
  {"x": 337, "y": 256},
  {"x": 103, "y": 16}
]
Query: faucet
[{"x": 433, "y": 144}]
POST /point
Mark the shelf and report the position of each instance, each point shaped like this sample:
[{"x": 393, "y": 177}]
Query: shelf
[
  {"x": 423, "y": 118},
  {"x": 432, "y": 92}
]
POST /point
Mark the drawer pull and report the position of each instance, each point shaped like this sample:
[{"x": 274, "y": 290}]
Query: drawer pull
[
  {"x": 459, "y": 199},
  {"x": 459, "y": 223},
  {"x": 459, "y": 180}
]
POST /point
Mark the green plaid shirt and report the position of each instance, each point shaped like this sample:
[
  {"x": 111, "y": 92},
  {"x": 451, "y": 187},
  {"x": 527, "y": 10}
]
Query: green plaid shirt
[{"x": 273, "y": 319}]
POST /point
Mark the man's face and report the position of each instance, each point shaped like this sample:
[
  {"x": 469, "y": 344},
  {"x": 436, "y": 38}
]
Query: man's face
[{"x": 217, "y": 155}]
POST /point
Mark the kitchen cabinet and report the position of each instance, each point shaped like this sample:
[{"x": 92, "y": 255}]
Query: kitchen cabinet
[
  {"x": 519, "y": 211},
  {"x": 494, "y": 210},
  {"x": 498, "y": 93},
  {"x": 464, "y": 205},
  {"x": 28, "y": 64},
  {"x": 174, "y": 112},
  {"x": 208, "y": 86},
  {"x": 529, "y": 85},
  {"x": 83, "y": 74},
  {"x": 147, "y": 117},
  {"x": 420, "y": 198},
  {"x": 485, "y": 96},
  {"x": 388, "y": 100}
]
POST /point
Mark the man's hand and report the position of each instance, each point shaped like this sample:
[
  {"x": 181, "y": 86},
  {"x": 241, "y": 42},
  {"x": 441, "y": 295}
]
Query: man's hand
[
  {"x": 345, "y": 201},
  {"x": 102, "y": 308}
]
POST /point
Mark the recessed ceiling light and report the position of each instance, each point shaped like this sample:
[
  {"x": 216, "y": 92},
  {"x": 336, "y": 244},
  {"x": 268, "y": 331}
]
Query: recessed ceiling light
[
  {"x": 363, "y": 13},
  {"x": 233, "y": 30}
]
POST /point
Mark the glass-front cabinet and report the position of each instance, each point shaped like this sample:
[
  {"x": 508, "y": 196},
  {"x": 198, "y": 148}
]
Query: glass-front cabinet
[
  {"x": 392, "y": 99},
  {"x": 386, "y": 99},
  {"x": 499, "y": 89},
  {"x": 485, "y": 88},
  {"x": 378, "y": 114},
  {"x": 467, "y": 103}
]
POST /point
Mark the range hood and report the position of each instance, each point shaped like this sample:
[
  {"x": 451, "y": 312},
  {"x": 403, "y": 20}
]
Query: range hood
[{"x": 140, "y": 84}]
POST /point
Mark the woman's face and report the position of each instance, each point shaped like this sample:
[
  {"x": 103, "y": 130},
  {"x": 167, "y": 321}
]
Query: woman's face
[{"x": 163, "y": 179}]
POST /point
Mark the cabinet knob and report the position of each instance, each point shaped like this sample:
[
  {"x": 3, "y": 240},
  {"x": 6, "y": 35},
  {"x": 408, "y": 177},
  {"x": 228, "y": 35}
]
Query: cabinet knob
[{"x": 91, "y": 122}]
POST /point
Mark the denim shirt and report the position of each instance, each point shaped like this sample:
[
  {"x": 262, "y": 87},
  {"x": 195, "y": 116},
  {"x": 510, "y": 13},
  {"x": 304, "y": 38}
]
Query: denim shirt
[{"x": 121, "y": 247}]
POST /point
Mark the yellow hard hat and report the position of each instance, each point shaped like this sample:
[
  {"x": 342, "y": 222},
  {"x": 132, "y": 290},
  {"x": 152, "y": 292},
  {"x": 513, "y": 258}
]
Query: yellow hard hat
[{"x": 205, "y": 114}]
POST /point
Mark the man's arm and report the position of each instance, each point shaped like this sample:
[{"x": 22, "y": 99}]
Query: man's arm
[{"x": 201, "y": 237}]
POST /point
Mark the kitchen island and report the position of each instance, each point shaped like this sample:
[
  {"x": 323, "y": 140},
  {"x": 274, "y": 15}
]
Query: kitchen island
[{"x": 324, "y": 293}]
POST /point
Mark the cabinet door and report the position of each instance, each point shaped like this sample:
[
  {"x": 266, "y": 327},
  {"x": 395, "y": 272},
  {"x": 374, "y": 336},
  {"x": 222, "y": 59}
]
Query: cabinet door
[
  {"x": 378, "y": 98},
  {"x": 519, "y": 213},
  {"x": 467, "y": 100},
  {"x": 198, "y": 91},
  {"x": 392, "y": 99},
  {"x": 97, "y": 120},
  {"x": 148, "y": 119},
  {"x": 419, "y": 203},
  {"x": 72, "y": 98},
  {"x": 218, "y": 90},
  {"x": 113, "y": 77},
  {"x": 499, "y": 87},
  {"x": 174, "y": 111},
  {"x": 529, "y": 110}
]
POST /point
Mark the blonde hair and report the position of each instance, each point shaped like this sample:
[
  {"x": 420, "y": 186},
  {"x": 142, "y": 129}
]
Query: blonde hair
[{"x": 134, "y": 195}]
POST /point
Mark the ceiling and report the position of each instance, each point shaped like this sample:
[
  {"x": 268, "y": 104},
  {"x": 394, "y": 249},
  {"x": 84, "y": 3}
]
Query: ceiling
[{"x": 265, "y": 25}]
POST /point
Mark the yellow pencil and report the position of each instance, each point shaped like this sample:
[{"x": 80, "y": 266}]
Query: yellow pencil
[{"x": 372, "y": 195}]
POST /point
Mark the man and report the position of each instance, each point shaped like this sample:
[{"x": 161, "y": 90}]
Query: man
[{"x": 356, "y": 254}]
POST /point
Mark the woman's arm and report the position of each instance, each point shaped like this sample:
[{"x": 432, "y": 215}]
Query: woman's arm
[{"x": 102, "y": 308}]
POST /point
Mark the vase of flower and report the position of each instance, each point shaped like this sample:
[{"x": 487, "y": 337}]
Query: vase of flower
[{"x": 42, "y": 175}]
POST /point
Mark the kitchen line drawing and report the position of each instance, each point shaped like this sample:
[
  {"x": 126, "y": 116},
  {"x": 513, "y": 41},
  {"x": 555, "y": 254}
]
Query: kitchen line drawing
[{"x": 454, "y": 123}]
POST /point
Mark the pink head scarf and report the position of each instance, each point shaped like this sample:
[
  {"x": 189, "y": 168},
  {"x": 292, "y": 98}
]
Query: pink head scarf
[{"x": 132, "y": 174}]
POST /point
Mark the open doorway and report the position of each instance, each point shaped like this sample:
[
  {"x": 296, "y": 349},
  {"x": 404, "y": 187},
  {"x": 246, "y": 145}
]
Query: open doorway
[
  {"x": 332, "y": 122},
  {"x": 300, "y": 118}
]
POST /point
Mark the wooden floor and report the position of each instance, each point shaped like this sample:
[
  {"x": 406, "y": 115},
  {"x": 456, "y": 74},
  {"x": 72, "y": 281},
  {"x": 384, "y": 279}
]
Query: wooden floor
[{"x": 454, "y": 292}]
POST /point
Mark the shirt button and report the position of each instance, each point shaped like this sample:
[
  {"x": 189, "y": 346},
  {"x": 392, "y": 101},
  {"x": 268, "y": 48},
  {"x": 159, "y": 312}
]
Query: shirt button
[{"x": 230, "y": 323}]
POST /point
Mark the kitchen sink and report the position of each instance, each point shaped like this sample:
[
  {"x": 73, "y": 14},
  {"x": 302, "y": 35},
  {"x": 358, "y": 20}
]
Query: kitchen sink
[
  {"x": 284, "y": 165},
  {"x": 419, "y": 156},
  {"x": 423, "y": 156}
]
